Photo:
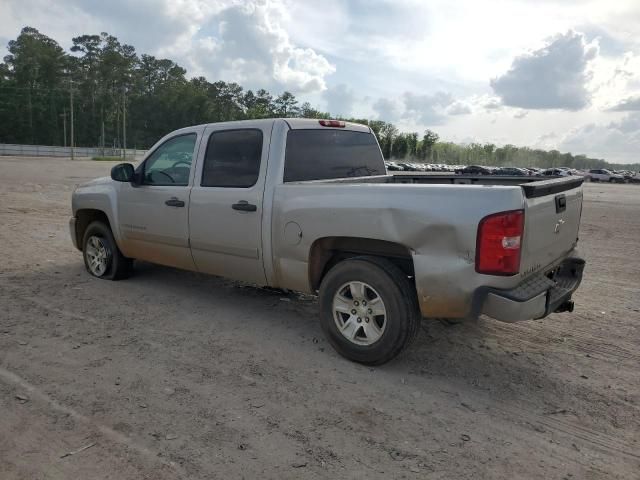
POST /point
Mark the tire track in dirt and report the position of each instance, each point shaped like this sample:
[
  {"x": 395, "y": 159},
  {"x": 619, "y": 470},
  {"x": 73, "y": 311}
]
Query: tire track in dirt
[
  {"x": 596, "y": 439},
  {"x": 11, "y": 378},
  {"x": 538, "y": 340}
]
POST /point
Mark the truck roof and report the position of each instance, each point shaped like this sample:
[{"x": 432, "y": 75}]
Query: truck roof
[
  {"x": 294, "y": 124},
  {"x": 312, "y": 123}
]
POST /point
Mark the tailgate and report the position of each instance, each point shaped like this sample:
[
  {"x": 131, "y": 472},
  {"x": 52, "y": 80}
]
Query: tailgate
[{"x": 552, "y": 220}]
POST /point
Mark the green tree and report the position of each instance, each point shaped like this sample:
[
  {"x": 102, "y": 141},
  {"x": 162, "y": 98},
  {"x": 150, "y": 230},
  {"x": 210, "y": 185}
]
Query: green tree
[
  {"x": 387, "y": 135},
  {"x": 286, "y": 105},
  {"x": 429, "y": 139},
  {"x": 412, "y": 144},
  {"x": 33, "y": 75}
]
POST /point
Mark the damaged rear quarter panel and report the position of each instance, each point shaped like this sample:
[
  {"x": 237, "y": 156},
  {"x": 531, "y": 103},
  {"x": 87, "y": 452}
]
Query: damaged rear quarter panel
[{"x": 436, "y": 223}]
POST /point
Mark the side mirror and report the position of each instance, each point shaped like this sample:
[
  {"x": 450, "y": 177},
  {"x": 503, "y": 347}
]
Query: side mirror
[{"x": 123, "y": 172}]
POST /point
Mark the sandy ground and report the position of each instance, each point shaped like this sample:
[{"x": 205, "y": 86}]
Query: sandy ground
[{"x": 176, "y": 375}]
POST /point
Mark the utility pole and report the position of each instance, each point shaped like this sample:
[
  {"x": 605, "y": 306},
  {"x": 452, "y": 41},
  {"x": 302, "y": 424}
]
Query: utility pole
[
  {"x": 64, "y": 126},
  {"x": 124, "y": 124},
  {"x": 71, "y": 143}
]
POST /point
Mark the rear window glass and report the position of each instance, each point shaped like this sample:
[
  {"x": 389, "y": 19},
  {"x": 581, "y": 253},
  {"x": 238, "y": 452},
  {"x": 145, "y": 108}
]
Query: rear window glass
[
  {"x": 232, "y": 159},
  {"x": 325, "y": 154}
]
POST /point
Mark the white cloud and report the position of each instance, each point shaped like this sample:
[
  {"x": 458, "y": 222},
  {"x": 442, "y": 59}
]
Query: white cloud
[
  {"x": 387, "y": 109},
  {"x": 491, "y": 103},
  {"x": 616, "y": 141},
  {"x": 417, "y": 111},
  {"x": 629, "y": 104},
  {"x": 554, "y": 76},
  {"x": 247, "y": 44},
  {"x": 340, "y": 100},
  {"x": 459, "y": 108},
  {"x": 427, "y": 110},
  {"x": 616, "y": 81}
]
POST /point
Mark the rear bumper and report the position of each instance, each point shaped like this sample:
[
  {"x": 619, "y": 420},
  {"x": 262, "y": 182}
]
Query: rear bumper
[{"x": 536, "y": 297}]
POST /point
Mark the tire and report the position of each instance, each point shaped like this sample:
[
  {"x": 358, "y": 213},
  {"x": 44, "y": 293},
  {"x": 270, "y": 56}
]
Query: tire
[
  {"x": 612, "y": 180},
  {"x": 102, "y": 257},
  {"x": 375, "y": 339}
]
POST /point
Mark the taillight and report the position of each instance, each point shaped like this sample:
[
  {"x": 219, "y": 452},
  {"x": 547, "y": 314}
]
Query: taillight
[
  {"x": 498, "y": 243},
  {"x": 332, "y": 123}
]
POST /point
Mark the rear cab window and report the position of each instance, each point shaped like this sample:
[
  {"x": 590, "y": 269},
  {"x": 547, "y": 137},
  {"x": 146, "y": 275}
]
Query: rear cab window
[
  {"x": 323, "y": 154},
  {"x": 232, "y": 159}
]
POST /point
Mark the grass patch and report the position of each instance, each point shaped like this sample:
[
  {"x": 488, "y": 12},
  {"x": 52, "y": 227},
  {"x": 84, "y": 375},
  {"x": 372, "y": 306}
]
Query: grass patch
[{"x": 107, "y": 159}]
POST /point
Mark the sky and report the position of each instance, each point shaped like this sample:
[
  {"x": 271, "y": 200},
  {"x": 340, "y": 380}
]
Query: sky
[{"x": 552, "y": 74}]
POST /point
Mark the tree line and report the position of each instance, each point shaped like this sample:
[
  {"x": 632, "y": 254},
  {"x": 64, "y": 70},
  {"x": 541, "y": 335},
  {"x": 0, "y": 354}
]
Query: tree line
[{"x": 119, "y": 94}]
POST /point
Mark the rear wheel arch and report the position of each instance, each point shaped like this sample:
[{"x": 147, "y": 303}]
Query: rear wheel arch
[{"x": 327, "y": 252}]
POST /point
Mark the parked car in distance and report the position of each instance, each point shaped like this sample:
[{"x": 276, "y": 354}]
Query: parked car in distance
[
  {"x": 474, "y": 170},
  {"x": 513, "y": 171},
  {"x": 393, "y": 166},
  {"x": 323, "y": 216},
  {"x": 557, "y": 172},
  {"x": 407, "y": 166},
  {"x": 626, "y": 174},
  {"x": 604, "y": 175}
]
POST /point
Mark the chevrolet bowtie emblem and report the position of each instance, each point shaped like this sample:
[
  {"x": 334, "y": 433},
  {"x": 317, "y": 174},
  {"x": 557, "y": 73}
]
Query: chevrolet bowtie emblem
[{"x": 558, "y": 226}]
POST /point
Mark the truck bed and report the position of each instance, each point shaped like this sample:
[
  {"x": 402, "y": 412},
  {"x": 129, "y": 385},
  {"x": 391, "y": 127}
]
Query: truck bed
[{"x": 532, "y": 186}]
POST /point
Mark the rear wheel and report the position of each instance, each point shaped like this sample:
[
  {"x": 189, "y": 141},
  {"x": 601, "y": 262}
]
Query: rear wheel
[
  {"x": 102, "y": 258},
  {"x": 369, "y": 311}
]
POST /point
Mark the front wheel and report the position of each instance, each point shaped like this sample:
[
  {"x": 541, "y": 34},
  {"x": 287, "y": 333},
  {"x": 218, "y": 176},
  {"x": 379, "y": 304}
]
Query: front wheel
[
  {"x": 368, "y": 309},
  {"x": 102, "y": 258}
]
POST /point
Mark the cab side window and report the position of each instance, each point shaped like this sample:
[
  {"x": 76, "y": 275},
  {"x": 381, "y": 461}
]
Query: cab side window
[
  {"x": 170, "y": 164},
  {"x": 232, "y": 159}
]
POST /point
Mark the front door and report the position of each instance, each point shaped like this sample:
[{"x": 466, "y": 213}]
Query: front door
[
  {"x": 225, "y": 213},
  {"x": 154, "y": 216}
]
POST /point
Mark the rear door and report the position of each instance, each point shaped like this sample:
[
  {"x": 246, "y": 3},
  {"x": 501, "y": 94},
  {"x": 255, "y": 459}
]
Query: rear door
[
  {"x": 552, "y": 220},
  {"x": 226, "y": 202}
]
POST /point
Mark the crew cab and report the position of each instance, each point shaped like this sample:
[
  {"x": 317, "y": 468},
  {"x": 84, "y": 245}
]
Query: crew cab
[{"x": 308, "y": 205}]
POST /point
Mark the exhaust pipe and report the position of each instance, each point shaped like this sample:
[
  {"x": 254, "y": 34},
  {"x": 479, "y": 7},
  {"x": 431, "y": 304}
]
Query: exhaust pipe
[{"x": 566, "y": 307}]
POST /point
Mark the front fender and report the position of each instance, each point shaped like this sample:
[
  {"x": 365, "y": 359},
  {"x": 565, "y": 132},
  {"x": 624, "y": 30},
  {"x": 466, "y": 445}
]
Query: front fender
[{"x": 101, "y": 195}]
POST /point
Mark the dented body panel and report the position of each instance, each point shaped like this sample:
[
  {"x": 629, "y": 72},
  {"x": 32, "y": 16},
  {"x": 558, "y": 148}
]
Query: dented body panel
[{"x": 417, "y": 217}]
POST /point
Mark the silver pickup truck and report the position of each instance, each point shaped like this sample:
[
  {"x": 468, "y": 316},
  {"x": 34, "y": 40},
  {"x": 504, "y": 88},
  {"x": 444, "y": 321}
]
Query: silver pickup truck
[{"x": 307, "y": 205}]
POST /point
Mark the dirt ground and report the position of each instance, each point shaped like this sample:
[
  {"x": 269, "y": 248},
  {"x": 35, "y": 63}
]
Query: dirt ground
[{"x": 177, "y": 375}]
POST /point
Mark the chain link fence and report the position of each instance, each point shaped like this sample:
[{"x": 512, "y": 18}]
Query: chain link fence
[{"x": 79, "y": 152}]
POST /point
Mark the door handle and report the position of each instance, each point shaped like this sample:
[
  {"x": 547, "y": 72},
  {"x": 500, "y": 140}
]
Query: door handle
[
  {"x": 244, "y": 206},
  {"x": 174, "y": 202}
]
